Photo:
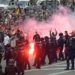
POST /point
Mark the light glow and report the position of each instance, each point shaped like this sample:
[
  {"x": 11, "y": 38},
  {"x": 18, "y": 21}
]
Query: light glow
[{"x": 31, "y": 51}]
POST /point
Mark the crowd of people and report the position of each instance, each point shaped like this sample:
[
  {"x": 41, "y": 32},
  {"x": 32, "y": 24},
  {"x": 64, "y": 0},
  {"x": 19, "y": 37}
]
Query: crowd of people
[
  {"x": 41, "y": 12},
  {"x": 14, "y": 49},
  {"x": 61, "y": 49},
  {"x": 14, "y": 46}
]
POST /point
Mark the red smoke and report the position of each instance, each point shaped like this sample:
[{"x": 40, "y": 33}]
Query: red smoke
[{"x": 62, "y": 20}]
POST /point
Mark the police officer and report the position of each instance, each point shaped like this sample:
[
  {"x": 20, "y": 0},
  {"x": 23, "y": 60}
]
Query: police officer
[
  {"x": 36, "y": 37},
  {"x": 67, "y": 43},
  {"x": 37, "y": 51},
  {"x": 71, "y": 53},
  {"x": 47, "y": 49},
  {"x": 60, "y": 46},
  {"x": 43, "y": 50}
]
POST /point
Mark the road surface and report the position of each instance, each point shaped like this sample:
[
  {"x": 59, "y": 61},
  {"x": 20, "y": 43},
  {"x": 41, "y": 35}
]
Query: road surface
[{"x": 54, "y": 69}]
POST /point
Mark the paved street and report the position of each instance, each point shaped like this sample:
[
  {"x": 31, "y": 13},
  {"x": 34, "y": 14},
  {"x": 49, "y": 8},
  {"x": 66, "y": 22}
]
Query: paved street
[{"x": 54, "y": 69}]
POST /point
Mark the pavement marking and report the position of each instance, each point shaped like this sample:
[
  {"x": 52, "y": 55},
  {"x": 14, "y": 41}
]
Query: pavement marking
[{"x": 60, "y": 73}]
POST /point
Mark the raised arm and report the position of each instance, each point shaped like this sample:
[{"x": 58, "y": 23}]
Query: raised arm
[
  {"x": 50, "y": 32},
  {"x": 55, "y": 32}
]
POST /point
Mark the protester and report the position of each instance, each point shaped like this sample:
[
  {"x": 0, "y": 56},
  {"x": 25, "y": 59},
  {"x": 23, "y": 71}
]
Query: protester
[
  {"x": 10, "y": 69},
  {"x": 61, "y": 46},
  {"x": 71, "y": 53}
]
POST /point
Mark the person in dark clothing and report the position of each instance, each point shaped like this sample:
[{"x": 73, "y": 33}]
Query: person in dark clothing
[
  {"x": 20, "y": 43},
  {"x": 1, "y": 37},
  {"x": 23, "y": 45},
  {"x": 9, "y": 54},
  {"x": 21, "y": 58},
  {"x": 1, "y": 44},
  {"x": 37, "y": 51},
  {"x": 20, "y": 63},
  {"x": 73, "y": 5},
  {"x": 53, "y": 43},
  {"x": 0, "y": 57},
  {"x": 10, "y": 69},
  {"x": 19, "y": 34},
  {"x": 1, "y": 73},
  {"x": 53, "y": 35},
  {"x": 67, "y": 43},
  {"x": 64, "y": 2},
  {"x": 43, "y": 51},
  {"x": 60, "y": 46},
  {"x": 26, "y": 50},
  {"x": 47, "y": 49},
  {"x": 36, "y": 37},
  {"x": 71, "y": 54},
  {"x": 37, "y": 61}
]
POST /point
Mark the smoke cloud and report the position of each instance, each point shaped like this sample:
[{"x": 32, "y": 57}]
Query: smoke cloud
[{"x": 62, "y": 20}]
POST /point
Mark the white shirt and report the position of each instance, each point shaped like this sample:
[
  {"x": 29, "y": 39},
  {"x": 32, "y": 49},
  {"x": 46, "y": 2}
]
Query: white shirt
[{"x": 6, "y": 40}]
